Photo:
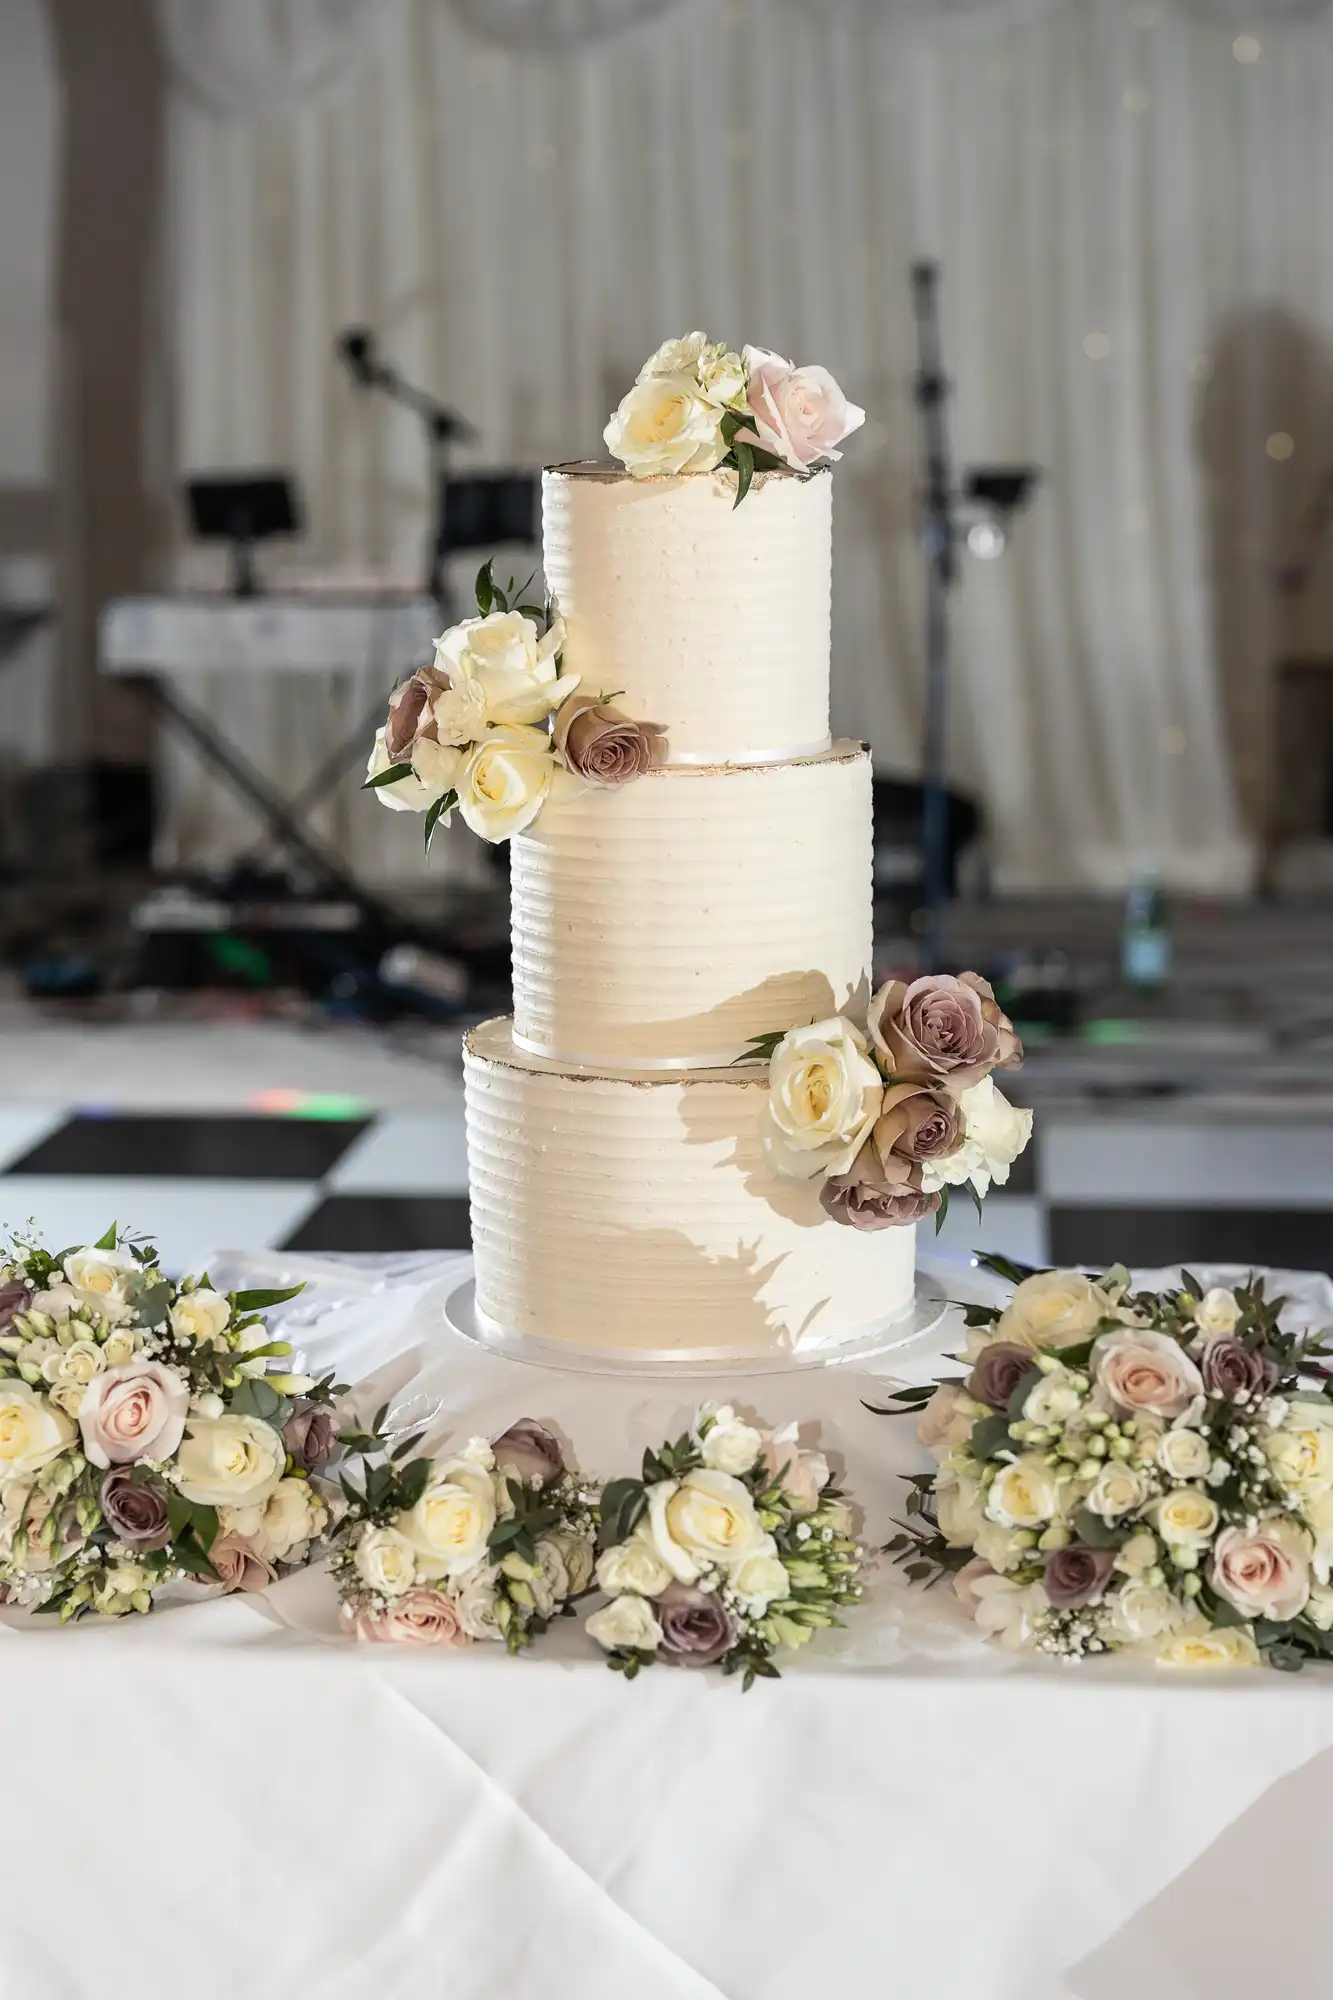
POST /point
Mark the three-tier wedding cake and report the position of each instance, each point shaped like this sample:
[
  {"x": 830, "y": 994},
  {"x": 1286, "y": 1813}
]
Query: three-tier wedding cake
[{"x": 697, "y": 1086}]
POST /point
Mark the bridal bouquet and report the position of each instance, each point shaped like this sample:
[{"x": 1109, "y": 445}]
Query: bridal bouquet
[
  {"x": 889, "y": 1120},
  {"x": 1132, "y": 1471},
  {"x": 733, "y": 1545},
  {"x": 491, "y": 1542},
  {"x": 698, "y": 405},
  {"x": 497, "y": 728},
  {"x": 144, "y": 1436}
]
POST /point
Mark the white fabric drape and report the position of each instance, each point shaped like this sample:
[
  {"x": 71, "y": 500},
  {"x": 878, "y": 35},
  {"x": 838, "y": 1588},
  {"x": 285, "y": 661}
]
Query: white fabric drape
[{"x": 1116, "y": 201}]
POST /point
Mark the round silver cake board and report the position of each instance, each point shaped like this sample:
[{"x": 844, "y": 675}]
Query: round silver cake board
[{"x": 926, "y": 1312}]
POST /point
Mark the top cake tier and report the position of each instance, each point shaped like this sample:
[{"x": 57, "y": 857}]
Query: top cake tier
[{"x": 708, "y": 619}]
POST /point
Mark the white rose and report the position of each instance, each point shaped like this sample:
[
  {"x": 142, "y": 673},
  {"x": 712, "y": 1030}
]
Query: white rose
[
  {"x": 229, "y": 1461},
  {"x": 120, "y": 1348},
  {"x": 1054, "y": 1309},
  {"x": 1024, "y": 1494},
  {"x": 1217, "y": 1312},
  {"x": 1008, "y": 1611},
  {"x": 824, "y": 1094},
  {"x": 1201, "y": 1646},
  {"x": 1141, "y": 1611},
  {"x": 666, "y": 425},
  {"x": 995, "y": 1133},
  {"x": 731, "y": 1445},
  {"x": 387, "y": 1561},
  {"x": 958, "y": 1510},
  {"x": 102, "y": 1279},
  {"x": 504, "y": 783},
  {"x": 1056, "y": 1398},
  {"x": 1186, "y": 1519},
  {"x": 200, "y": 1316},
  {"x": 451, "y": 1522},
  {"x": 761, "y": 1580},
  {"x": 633, "y": 1566},
  {"x": 475, "y": 1603},
  {"x": 1300, "y": 1451},
  {"x": 503, "y": 659},
  {"x": 74, "y": 1366},
  {"x": 1184, "y": 1454},
  {"x": 414, "y": 793},
  {"x": 1117, "y": 1490},
  {"x": 707, "y": 1520},
  {"x": 32, "y": 1431},
  {"x": 625, "y": 1621}
]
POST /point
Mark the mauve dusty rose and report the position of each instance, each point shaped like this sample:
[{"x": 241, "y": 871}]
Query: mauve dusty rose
[
  {"x": 697, "y": 1628},
  {"x": 998, "y": 1372},
  {"x": 135, "y": 1513},
  {"x": 602, "y": 746},
  {"x": 1230, "y": 1369},
  {"x": 1077, "y": 1575},
  {"x": 529, "y": 1451}
]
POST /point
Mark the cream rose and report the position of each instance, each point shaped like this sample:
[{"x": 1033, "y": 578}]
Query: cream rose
[
  {"x": 1300, "y": 1451},
  {"x": 958, "y": 1510},
  {"x": 947, "y": 1420},
  {"x": 1265, "y": 1574},
  {"x": 504, "y": 783},
  {"x": 632, "y": 1566},
  {"x": 707, "y": 1520},
  {"x": 1186, "y": 1519},
  {"x": 1144, "y": 1370},
  {"x": 799, "y": 413},
  {"x": 32, "y": 1432},
  {"x": 229, "y": 1461},
  {"x": 201, "y": 1316},
  {"x": 995, "y": 1132},
  {"x": 1199, "y": 1646},
  {"x": 423, "y": 785},
  {"x": 1143, "y": 1611},
  {"x": 74, "y": 1367},
  {"x": 761, "y": 1580},
  {"x": 666, "y": 425},
  {"x": 1217, "y": 1312},
  {"x": 451, "y": 1523},
  {"x": 1117, "y": 1490},
  {"x": 625, "y": 1621},
  {"x": 1025, "y": 1494},
  {"x": 824, "y": 1095},
  {"x": 731, "y": 1444},
  {"x": 1184, "y": 1454},
  {"x": 102, "y": 1279},
  {"x": 503, "y": 661},
  {"x": 133, "y": 1412},
  {"x": 386, "y": 1561},
  {"x": 1054, "y": 1309}
]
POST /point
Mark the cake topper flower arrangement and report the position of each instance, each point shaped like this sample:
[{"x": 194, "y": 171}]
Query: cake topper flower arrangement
[
  {"x": 1140, "y": 1472},
  {"x": 734, "y": 1544},
  {"x": 490, "y": 1542},
  {"x": 145, "y": 1436},
  {"x": 892, "y": 1118},
  {"x": 496, "y": 727},
  {"x": 697, "y": 405}
]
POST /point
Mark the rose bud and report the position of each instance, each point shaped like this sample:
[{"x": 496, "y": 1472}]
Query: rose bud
[{"x": 309, "y": 1436}]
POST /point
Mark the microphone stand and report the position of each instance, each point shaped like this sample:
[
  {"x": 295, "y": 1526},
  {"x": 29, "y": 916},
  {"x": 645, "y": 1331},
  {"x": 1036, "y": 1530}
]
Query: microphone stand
[{"x": 938, "y": 542}]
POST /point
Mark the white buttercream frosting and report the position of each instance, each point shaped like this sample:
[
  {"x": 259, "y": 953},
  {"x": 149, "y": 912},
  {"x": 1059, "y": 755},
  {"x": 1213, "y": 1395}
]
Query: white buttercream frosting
[
  {"x": 707, "y": 618},
  {"x": 640, "y": 1212},
  {"x": 679, "y": 917}
]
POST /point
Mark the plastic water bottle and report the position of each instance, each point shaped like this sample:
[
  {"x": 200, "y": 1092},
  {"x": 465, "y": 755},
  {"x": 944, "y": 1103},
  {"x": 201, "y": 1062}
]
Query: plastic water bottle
[{"x": 1145, "y": 941}]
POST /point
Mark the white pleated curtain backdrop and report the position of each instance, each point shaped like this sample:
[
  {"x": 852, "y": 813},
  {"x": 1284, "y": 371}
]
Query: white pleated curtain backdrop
[{"x": 1116, "y": 200}]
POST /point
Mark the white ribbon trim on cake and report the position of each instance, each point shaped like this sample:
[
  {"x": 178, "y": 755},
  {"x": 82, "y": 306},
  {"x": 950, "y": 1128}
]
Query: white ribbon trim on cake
[
  {"x": 790, "y": 754},
  {"x": 708, "y": 1059}
]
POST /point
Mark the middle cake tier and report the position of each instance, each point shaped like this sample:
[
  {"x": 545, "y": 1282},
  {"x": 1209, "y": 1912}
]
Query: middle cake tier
[{"x": 673, "y": 921}]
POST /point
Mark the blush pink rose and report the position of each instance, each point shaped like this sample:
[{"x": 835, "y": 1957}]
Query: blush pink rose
[
  {"x": 1145, "y": 1371},
  {"x": 237, "y": 1565},
  {"x": 133, "y": 1412},
  {"x": 417, "y": 1618},
  {"x": 1265, "y": 1574},
  {"x": 942, "y": 1424},
  {"x": 800, "y": 414}
]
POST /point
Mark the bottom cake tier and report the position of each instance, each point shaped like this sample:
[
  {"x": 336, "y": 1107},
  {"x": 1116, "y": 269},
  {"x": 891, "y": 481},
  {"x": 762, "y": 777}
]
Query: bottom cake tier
[{"x": 638, "y": 1212}]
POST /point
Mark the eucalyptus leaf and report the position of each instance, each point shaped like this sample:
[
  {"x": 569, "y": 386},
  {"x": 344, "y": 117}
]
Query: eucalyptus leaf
[{"x": 485, "y": 589}]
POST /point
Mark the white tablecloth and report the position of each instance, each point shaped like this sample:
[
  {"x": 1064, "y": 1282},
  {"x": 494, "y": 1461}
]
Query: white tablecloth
[{"x": 229, "y": 1799}]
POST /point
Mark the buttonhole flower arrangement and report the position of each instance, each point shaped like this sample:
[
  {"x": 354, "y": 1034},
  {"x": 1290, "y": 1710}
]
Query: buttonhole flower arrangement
[
  {"x": 889, "y": 1119},
  {"x": 148, "y": 1433},
  {"x": 497, "y": 728},
  {"x": 731, "y": 1546},
  {"x": 490, "y": 1542},
  {"x": 1139, "y": 1472},
  {"x": 698, "y": 405}
]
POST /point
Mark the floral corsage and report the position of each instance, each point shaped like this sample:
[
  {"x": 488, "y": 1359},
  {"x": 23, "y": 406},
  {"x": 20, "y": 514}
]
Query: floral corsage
[{"x": 732, "y": 1545}]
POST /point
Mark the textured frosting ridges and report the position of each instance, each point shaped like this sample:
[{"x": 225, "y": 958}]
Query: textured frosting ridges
[
  {"x": 641, "y": 1213},
  {"x": 709, "y": 619},
  {"x": 683, "y": 915}
]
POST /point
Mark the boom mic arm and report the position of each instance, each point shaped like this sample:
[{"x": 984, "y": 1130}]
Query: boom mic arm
[{"x": 358, "y": 350}]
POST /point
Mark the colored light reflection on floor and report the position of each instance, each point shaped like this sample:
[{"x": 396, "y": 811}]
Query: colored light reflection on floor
[{"x": 307, "y": 1104}]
